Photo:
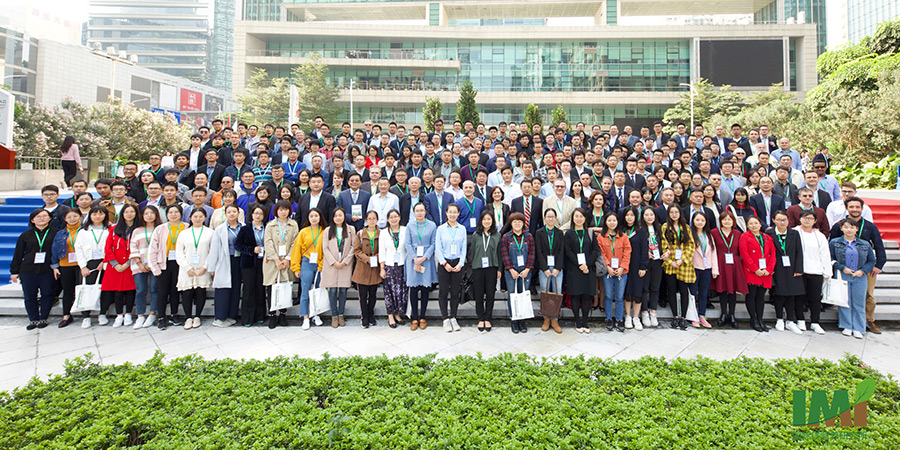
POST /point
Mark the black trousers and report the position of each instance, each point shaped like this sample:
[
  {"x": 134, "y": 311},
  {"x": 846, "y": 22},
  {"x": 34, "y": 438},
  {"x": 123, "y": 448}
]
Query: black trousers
[
  {"x": 367, "y": 297},
  {"x": 195, "y": 298},
  {"x": 70, "y": 171},
  {"x": 581, "y": 308},
  {"x": 676, "y": 286},
  {"x": 450, "y": 284},
  {"x": 727, "y": 301},
  {"x": 124, "y": 301},
  {"x": 166, "y": 289},
  {"x": 418, "y": 300},
  {"x": 69, "y": 277},
  {"x": 789, "y": 303},
  {"x": 484, "y": 282},
  {"x": 652, "y": 283},
  {"x": 812, "y": 285},
  {"x": 253, "y": 307},
  {"x": 754, "y": 301}
]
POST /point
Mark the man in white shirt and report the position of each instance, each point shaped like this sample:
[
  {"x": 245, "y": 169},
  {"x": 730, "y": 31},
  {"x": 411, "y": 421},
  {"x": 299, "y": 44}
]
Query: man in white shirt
[
  {"x": 837, "y": 211},
  {"x": 383, "y": 202},
  {"x": 510, "y": 190}
]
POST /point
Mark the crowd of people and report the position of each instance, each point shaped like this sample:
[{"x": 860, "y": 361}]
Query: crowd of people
[{"x": 619, "y": 222}]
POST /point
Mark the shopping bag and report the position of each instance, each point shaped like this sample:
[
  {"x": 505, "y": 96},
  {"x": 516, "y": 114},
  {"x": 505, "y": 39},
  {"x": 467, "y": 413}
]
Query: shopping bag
[
  {"x": 318, "y": 300},
  {"x": 691, "y": 314},
  {"x": 551, "y": 302},
  {"x": 520, "y": 305},
  {"x": 87, "y": 296},
  {"x": 282, "y": 295},
  {"x": 836, "y": 292}
]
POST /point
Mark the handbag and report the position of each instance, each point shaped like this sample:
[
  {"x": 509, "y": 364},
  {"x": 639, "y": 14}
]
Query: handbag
[
  {"x": 551, "y": 302},
  {"x": 520, "y": 305},
  {"x": 835, "y": 291},
  {"x": 739, "y": 221},
  {"x": 691, "y": 314},
  {"x": 87, "y": 296},
  {"x": 282, "y": 294},
  {"x": 318, "y": 300}
]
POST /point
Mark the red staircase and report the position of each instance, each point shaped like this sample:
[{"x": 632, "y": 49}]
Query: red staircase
[{"x": 887, "y": 217}]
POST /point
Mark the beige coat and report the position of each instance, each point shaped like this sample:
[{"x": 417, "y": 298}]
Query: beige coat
[
  {"x": 362, "y": 249},
  {"x": 331, "y": 276},
  {"x": 272, "y": 240}
]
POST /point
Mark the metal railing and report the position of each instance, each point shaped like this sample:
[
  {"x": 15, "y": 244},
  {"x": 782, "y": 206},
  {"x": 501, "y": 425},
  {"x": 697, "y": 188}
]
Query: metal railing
[
  {"x": 38, "y": 163},
  {"x": 93, "y": 167}
]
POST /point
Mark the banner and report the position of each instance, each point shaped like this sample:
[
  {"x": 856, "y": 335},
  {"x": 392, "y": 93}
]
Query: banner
[
  {"x": 294, "y": 110},
  {"x": 7, "y": 110}
]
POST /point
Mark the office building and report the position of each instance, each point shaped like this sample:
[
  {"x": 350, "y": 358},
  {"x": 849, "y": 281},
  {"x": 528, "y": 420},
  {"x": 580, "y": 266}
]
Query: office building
[
  {"x": 852, "y": 20},
  {"x": 221, "y": 48}
]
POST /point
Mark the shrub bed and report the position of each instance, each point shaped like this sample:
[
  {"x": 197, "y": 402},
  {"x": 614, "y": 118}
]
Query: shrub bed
[{"x": 509, "y": 401}]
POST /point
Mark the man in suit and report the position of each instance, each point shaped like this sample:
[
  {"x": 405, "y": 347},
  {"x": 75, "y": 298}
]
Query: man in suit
[
  {"x": 696, "y": 207},
  {"x": 633, "y": 179},
  {"x": 563, "y": 204},
  {"x": 213, "y": 170},
  {"x": 354, "y": 202},
  {"x": 535, "y": 206},
  {"x": 766, "y": 202},
  {"x": 436, "y": 201},
  {"x": 482, "y": 190},
  {"x": 821, "y": 198},
  {"x": 618, "y": 195},
  {"x": 771, "y": 141},
  {"x": 666, "y": 199},
  {"x": 315, "y": 198},
  {"x": 409, "y": 200}
]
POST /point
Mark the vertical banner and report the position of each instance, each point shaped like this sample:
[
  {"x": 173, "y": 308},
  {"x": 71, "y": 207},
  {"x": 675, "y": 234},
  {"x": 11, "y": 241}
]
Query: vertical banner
[
  {"x": 294, "y": 113},
  {"x": 7, "y": 110}
]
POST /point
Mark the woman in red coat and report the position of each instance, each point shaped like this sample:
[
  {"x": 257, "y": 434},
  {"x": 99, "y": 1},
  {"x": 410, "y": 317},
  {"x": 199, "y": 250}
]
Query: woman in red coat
[
  {"x": 757, "y": 253},
  {"x": 731, "y": 280},
  {"x": 118, "y": 281}
]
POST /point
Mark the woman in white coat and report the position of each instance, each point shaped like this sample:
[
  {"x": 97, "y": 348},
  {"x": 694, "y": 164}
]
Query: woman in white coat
[
  {"x": 816, "y": 266},
  {"x": 224, "y": 265},
  {"x": 89, "y": 246},
  {"x": 392, "y": 255},
  {"x": 192, "y": 255}
]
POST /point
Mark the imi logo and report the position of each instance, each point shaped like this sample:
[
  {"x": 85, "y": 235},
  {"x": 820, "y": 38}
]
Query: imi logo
[{"x": 809, "y": 422}]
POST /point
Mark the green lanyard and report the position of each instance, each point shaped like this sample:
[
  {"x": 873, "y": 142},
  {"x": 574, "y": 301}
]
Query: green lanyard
[
  {"x": 371, "y": 240},
  {"x": 702, "y": 238},
  {"x": 550, "y": 236},
  {"x": 316, "y": 237},
  {"x": 862, "y": 224},
  {"x": 781, "y": 242},
  {"x": 146, "y": 236},
  {"x": 419, "y": 231},
  {"x": 598, "y": 219},
  {"x": 762, "y": 247},
  {"x": 41, "y": 239},
  {"x": 470, "y": 206},
  {"x": 173, "y": 236},
  {"x": 338, "y": 233},
  {"x": 96, "y": 239},
  {"x": 580, "y": 239},
  {"x": 395, "y": 238},
  {"x": 730, "y": 240},
  {"x": 72, "y": 238},
  {"x": 612, "y": 245},
  {"x": 519, "y": 245},
  {"x": 196, "y": 238}
]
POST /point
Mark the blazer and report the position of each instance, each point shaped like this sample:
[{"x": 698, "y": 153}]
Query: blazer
[
  {"x": 332, "y": 277},
  {"x": 537, "y": 210},
  {"x": 543, "y": 249},
  {"x": 759, "y": 205},
  {"x": 406, "y": 204},
  {"x": 638, "y": 183},
  {"x": 345, "y": 202},
  {"x": 437, "y": 213},
  {"x": 478, "y": 194},
  {"x": 215, "y": 180},
  {"x": 710, "y": 216},
  {"x": 326, "y": 204},
  {"x": 750, "y": 253},
  {"x": 245, "y": 242},
  {"x": 784, "y": 282},
  {"x": 504, "y": 215},
  {"x": 613, "y": 197},
  {"x": 565, "y": 217},
  {"x": 219, "y": 261}
]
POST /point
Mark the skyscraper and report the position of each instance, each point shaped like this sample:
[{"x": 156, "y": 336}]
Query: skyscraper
[{"x": 221, "y": 48}]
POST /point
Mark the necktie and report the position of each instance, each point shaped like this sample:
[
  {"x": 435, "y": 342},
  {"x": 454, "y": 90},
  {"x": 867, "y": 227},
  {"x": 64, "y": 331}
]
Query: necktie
[
  {"x": 620, "y": 196},
  {"x": 528, "y": 210},
  {"x": 355, "y": 196}
]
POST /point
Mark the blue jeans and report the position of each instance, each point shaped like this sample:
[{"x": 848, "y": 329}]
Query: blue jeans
[
  {"x": 308, "y": 271},
  {"x": 546, "y": 283},
  {"x": 38, "y": 309},
  {"x": 854, "y": 317},
  {"x": 144, "y": 283},
  {"x": 516, "y": 285},
  {"x": 615, "y": 292},
  {"x": 337, "y": 297},
  {"x": 700, "y": 289}
]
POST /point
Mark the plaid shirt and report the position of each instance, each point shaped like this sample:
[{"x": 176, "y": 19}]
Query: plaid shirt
[
  {"x": 507, "y": 240},
  {"x": 684, "y": 272}
]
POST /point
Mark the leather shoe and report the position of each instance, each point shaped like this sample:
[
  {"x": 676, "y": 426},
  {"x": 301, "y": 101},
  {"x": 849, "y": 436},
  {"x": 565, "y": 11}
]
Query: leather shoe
[
  {"x": 282, "y": 320},
  {"x": 733, "y": 321},
  {"x": 422, "y": 324},
  {"x": 515, "y": 326},
  {"x": 723, "y": 319},
  {"x": 554, "y": 323},
  {"x": 522, "y": 327},
  {"x": 873, "y": 328},
  {"x": 414, "y": 325}
]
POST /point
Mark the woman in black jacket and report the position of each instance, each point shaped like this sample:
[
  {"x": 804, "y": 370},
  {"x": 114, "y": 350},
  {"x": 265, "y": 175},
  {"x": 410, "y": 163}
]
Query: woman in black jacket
[
  {"x": 249, "y": 241},
  {"x": 582, "y": 253},
  {"x": 549, "y": 247},
  {"x": 637, "y": 266},
  {"x": 787, "y": 279},
  {"x": 499, "y": 210},
  {"x": 31, "y": 264}
]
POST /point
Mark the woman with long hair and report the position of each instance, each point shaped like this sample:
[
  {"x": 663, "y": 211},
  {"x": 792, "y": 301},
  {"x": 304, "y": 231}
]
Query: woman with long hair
[
  {"x": 484, "y": 257},
  {"x": 280, "y": 236},
  {"x": 652, "y": 279},
  {"x": 64, "y": 262},
  {"x": 164, "y": 266},
  {"x": 144, "y": 281},
  {"x": 758, "y": 259},
  {"x": 306, "y": 260},
  {"x": 250, "y": 242},
  {"x": 678, "y": 250},
  {"x": 367, "y": 272},
  {"x": 229, "y": 197},
  {"x": 225, "y": 263},
  {"x": 420, "y": 266},
  {"x": 337, "y": 264},
  {"x": 192, "y": 254},
  {"x": 741, "y": 209},
  {"x": 118, "y": 282},
  {"x": 816, "y": 266},
  {"x": 639, "y": 264},
  {"x": 706, "y": 266},
  {"x": 497, "y": 208},
  {"x": 392, "y": 258},
  {"x": 731, "y": 280},
  {"x": 71, "y": 160},
  {"x": 615, "y": 248},
  {"x": 31, "y": 264},
  {"x": 264, "y": 201},
  {"x": 787, "y": 275}
]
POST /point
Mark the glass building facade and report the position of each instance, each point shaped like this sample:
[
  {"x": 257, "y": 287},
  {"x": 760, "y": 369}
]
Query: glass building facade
[
  {"x": 221, "y": 48},
  {"x": 863, "y": 16},
  {"x": 798, "y": 11},
  {"x": 18, "y": 59}
]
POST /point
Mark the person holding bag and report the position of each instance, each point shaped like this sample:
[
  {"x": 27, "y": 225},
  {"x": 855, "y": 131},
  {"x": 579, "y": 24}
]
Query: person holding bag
[
  {"x": 816, "y": 266},
  {"x": 450, "y": 252},
  {"x": 367, "y": 273},
  {"x": 118, "y": 282},
  {"x": 787, "y": 281},
  {"x": 250, "y": 242},
  {"x": 420, "y": 264},
  {"x": 224, "y": 265},
  {"x": 164, "y": 267},
  {"x": 549, "y": 243},
  {"x": 853, "y": 258},
  {"x": 731, "y": 280},
  {"x": 678, "y": 250},
  {"x": 144, "y": 281},
  {"x": 64, "y": 263},
  {"x": 484, "y": 257},
  {"x": 306, "y": 260},
  {"x": 279, "y": 238},
  {"x": 392, "y": 257},
  {"x": 517, "y": 250},
  {"x": 615, "y": 248},
  {"x": 758, "y": 257},
  {"x": 337, "y": 264},
  {"x": 31, "y": 263},
  {"x": 192, "y": 254},
  {"x": 582, "y": 253},
  {"x": 639, "y": 264},
  {"x": 90, "y": 245}
]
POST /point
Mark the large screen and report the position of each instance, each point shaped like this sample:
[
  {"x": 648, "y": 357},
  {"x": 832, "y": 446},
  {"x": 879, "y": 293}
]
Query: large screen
[{"x": 750, "y": 63}]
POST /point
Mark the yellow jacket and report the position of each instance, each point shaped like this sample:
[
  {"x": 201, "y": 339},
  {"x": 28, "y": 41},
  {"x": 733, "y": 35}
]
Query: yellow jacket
[{"x": 308, "y": 241}]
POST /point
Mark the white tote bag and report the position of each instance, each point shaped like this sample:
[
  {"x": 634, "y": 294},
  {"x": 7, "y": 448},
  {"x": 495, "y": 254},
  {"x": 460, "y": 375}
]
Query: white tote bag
[
  {"x": 282, "y": 294},
  {"x": 87, "y": 296},
  {"x": 318, "y": 300},
  {"x": 520, "y": 307},
  {"x": 836, "y": 292},
  {"x": 691, "y": 314}
]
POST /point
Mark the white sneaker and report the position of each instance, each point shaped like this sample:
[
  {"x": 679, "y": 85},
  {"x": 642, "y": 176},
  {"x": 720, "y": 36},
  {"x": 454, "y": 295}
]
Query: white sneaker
[
  {"x": 858, "y": 335},
  {"x": 86, "y": 322},
  {"x": 149, "y": 321},
  {"x": 317, "y": 321},
  {"x": 645, "y": 318},
  {"x": 118, "y": 322},
  {"x": 779, "y": 324},
  {"x": 801, "y": 324},
  {"x": 587, "y": 330},
  {"x": 306, "y": 323},
  {"x": 102, "y": 319},
  {"x": 188, "y": 323},
  {"x": 847, "y": 332},
  {"x": 628, "y": 324},
  {"x": 454, "y": 324},
  {"x": 791, "y": 326},
  {"x": 128, "y": 320},
  {"x": 139, "y": 323},
  {"x": 229, "y": 322},
  {"x": 653, "y": 321},
  {"x": 817, "y": 328},
  {"x": 637, "y": 324},
  {"x": 218, "y": 323},
  {"x": 448, "y": 327},
  {"x": 196, "y": 322}
]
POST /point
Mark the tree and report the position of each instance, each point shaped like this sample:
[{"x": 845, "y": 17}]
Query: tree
[
  {"x": 466, "y": 109},
  {"x": 532, "y": 116},
  {"x": 265, "y": 100},
  {"x": 431, "y": 112},
  {"x": 559, "y": 115},
  {"x": 708, "y": 102},
  {"x": 318, "y": 97}
]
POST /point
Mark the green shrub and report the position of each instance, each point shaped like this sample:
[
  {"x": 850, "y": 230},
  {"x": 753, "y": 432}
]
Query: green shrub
[{"x": 509, "y": 401}]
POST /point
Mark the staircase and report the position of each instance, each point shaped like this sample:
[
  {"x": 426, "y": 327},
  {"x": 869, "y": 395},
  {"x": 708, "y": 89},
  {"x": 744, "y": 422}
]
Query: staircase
[{"x": 13, "y": 221}]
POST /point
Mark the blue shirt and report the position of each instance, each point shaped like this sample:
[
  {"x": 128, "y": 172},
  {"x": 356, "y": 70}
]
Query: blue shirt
[
  {"x": 449, "y": 239},
  {"x": 851, "y": 257},
  {"x": 232, "y": 234},
  {"x": 469, "y": 211},
  {"x": 795, "y": 157}
]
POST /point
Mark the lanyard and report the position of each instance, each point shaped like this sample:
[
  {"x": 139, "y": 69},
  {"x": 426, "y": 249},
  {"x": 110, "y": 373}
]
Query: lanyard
[
  {"x": 196, "y": 238},
  {"x": 781, "y": 242},
  {"x": 395, "y": 238},
  {"x": 146, "y": 235},
  {"x": 612, "y": 245},
  {"x": 258, "y": 234},
  {"x": 484, "y": 242},
  {"x": 580, "y": 239},
  {"x": 72, "y": 238},
  {"x": 371, "y": 240},
  {"x": 519, "y": 245},
  {"x": 41, "y": 239},
  {"x": 281, "y": 230},
  {"x": 762, "y": 247},
  {"x": 96, "y": 239},
  {"x": 598, "y": 219},
  {"x": 470, "y": 206},
  {"x": 702, "y": 238},
  {"x": 173, "y": 235},
  {"x": 652, "y": 236},
  {"x": 862, "y": 224},
  {"x": 316, "y": 236},
  {"x": 550, "y": 237},
  {"x": 233, "y": 231},
  {"x": 452, "y": 232},
  {"x": 730, "y": 240},
  {"x": 292, "y": 167}
]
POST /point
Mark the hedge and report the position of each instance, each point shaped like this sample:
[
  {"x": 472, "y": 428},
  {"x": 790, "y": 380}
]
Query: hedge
[{"x": 508, "y": 401}]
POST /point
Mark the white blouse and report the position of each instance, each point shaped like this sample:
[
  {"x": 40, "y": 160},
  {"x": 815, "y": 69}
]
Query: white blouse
[{"x": 387, "y": 253}]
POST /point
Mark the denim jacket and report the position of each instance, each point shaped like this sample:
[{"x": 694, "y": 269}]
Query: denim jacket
[{"x": 838, "y": 247}]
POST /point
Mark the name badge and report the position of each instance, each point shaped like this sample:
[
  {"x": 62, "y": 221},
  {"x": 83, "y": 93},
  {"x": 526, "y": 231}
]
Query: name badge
[
  {"x": 314, "y": 257},
  {"x": 171, "y": 255},
  {"x": 762, "y": 263},
  {"x": 786, "y": 261},
  {"x": 729, "y": 258},
  {"x": 72, "y": 257},
  {"x": 581, "y": 259},
  {"x": 520, "y": 260},
  {"x": 705, "y": 262},
  {"x": 551, "y": 260},
  {"x": 614, "y": 263},
  {"x": 97, "y": 254},
  {"x": 472, "y": 222},
  {"x": 39, "y": 257},
  {"x": 420, "y": 251},
  {"x": 144, "y": 253},
  {"x": 237, "y": 253},
  {"x": 282, "y": 250},
  {"x": 195, "y": 259},
  {"x": 356, "y": 210},
  {"x": 677, "y": 253},
  {"x": 373, "y": 261},
  {"x": 656, "y": 253},
  {"x": 484, "y": 262},
  {"x": 454, "y": 248}
]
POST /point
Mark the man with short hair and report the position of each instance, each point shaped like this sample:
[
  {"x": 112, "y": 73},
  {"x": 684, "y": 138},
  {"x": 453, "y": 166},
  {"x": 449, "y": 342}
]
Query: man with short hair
[
  {"x": 784, "y": 148},
  {"x": 78, "y": 186},
  {"x": 354, "y": 201},
  {"x": 827, "y": 183},
  {"x": 409, "y": 199},
  {"x": 315, "y": 198},
  {"x": 836, "y": 209},
  {"x": 820, "y": 198},
  {"x": 154, "y": 195},
  {"x": 470, "y": 207},
  {"x": 213, "y": 170},
  {"x": 805, "y": 198},
  {"x": 239, "y": 166},
  {"x": 766, "y": 202},
  {"x": 198, "y": 201},
  {"x": 562, "y": 203},
  {"x": 118, "y": 201},
  {"x": 437, "y": 200},
  {"x": 50, "y": 195}
]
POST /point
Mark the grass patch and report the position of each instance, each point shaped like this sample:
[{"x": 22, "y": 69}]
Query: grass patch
[{"x": 509, "y": 401}]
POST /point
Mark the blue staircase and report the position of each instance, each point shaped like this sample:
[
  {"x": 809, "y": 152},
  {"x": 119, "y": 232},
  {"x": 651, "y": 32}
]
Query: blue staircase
[{"x": 13, "y": 221}]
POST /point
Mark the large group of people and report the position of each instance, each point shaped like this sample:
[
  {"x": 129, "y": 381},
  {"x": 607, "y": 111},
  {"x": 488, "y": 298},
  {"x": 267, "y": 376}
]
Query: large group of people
[{"x": 620, "y": 222}]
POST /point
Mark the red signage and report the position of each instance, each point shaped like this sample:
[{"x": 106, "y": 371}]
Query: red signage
[{"x": 191, "y": 101}]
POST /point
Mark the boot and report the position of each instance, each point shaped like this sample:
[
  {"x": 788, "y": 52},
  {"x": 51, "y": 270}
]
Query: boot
[
  {"x": 334, "y": 322},
  {"x": 723, "y": 319},
  {"x": 546, "y": 325},
  {"x": 554, "y": 323},
  {"x": 341, "y": 321},
  {"x": 514, "y": 326},
  {"x": 733, "y": 321}
]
